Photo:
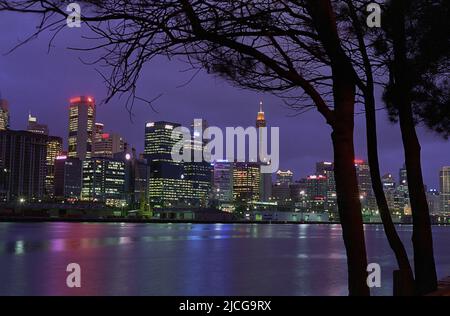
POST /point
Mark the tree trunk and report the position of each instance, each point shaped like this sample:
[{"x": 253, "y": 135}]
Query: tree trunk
[
  {"x": 344, "y": 153},
  {"x": 405, "y": 275},
  {"x": 347, "y": 186},
  {"x": 424, "y": 265},
  {"x": 403, "y": 278}
]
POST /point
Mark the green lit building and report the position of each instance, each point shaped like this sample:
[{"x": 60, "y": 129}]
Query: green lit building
[
  {"x": 104, "y": 181},
  {"x": 171, "y": 183}
]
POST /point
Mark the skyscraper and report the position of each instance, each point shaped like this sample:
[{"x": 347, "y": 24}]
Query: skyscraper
[
  {"x": 81, "y": 126},
  {"x": 35, "y": 127},
  {"x": 54, "y": 149},
  {"x": 326, "y": 168},
  {"x": 246, "y": 182},
  {"x": 223, "y": 181},
  {"x": 365, "y": 185},
  {"x": 107, "y": 144},
  {"x": 444, "y": 184},
  {"x": 104, "y": 181},
  {"x": 68, "y": 172},
  {"x": 4, "y": 115},
  {"x": 22, "y": 165},
  {"x": 265, "y": 186},
  {"x": 285, "y": 177}
]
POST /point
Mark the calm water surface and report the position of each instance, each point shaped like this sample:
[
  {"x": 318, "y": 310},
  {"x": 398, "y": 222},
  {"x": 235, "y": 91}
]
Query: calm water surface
[{"x": 191, "y": 259}]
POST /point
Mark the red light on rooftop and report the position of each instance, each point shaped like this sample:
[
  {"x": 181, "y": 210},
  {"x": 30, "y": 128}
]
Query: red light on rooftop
[
  {"x": 105, "y": 135},
  {"x": 359, "y": 161},
  {"x": 75, "y": 100}
]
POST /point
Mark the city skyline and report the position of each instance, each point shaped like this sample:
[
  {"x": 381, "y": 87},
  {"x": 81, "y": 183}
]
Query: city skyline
[
  {"x": 49, "y": 79},
  {"x": 139, "y": 146}
]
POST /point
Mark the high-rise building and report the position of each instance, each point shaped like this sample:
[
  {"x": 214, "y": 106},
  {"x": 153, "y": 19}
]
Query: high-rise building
[
  {"x": 68, "y": 172},
  {"x": 316, "y": 192},
  {"x": 54, "y": 149},
  {"x": 326, "y": 168},
  {"x": 174, "y": 183},
  {"x": 22, "y": 165},
  {"x": 223, "y": 181},
  {"x": 284, "y": 177},
  {"x": 265, "y": 186},
  {"x": 246, "y": 182},
  {"x": 4, "y": 115},
  {"x": 158, "y": 141},
  {"x": 35, "y": 127},
  {"x": 81, "y": 126},
  {"x": 444, "y": 184},
  {"x": 107, "y": 145},
  {"x": 104, "y": 181},
  {"x": 434, "y": 201},
  {"x": 365, "y": 185}
]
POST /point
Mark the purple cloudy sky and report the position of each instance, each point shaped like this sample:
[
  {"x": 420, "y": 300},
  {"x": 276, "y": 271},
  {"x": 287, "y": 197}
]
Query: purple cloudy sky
[{"x": 33, "y": 80}]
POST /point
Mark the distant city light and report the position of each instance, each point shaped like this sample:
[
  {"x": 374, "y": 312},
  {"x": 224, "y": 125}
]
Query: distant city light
[
  {"x": 127, "y": 156},
  {"x": 62, "y": 157},
  {"x": 151, "y": 124}
]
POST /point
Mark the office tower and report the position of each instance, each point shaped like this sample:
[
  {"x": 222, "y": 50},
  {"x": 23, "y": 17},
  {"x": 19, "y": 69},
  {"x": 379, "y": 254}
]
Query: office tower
[
  {"x": 54, "y": 149},
  {"x": 22, "y": 165},
  {"x": 172, "y": 183},
  {"x": 365, "y": 185},
  {"x": 223, "y": 181},
  {"x": 403, "y": 176},
  {"x": 265, "y": 186},
  {"x": 98, "y": 129},
  {"x": 107, "y": 145},
  {"x": 4, "y": 115},
  {"x": 285, "y": 177},
  {"x": 402, "y": 191},
  {"x": 35, "y": 127},
  {"x": 281, "y": 192},
  {"x": 104, "y": 181},
  {"x": 81, "y": 126},
  {"x": 316, "y": 192},
  {"x": 158, "y": 140},
  {"x": 434, "y": 201},
  {"x": 390, "y": 188},
  {"x": 246, "y": 182},
  {"x": 326, "y": 168},
  {"x": 68, "y": 172},
  {"x": 444, "y": 185}
]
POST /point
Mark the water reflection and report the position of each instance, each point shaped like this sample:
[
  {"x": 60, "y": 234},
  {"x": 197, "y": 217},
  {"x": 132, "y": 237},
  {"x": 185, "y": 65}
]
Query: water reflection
[{"x": 190, "y": 259}]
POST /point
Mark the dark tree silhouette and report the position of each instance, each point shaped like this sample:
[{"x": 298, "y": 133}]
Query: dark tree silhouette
[
  {"x": 353, "y": 16},
  {"x": 414, "y": 43}
]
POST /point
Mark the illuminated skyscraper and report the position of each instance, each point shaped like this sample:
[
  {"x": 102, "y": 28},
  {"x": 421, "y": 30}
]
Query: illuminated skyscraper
[
  {"x": 365, "y": 185},
  {"x": 265, "y": 186},
  {"x": 68, "y": 172},
  {"x": 326, "y": 168},
  {"x": 107, "y": 144},
  {"x": 246, "y": 182},
  {"x": 285, "y": 177},
  {"x": 81, "y": 127},
  {"x": 444, "y": 184},
  {"x": 54, "y": 149},
  {"x": 4, "y": 115},
  {"x": 35, "y": 127},
  {"x": 173, "y": 183},
  {"x": 223, "y": 181},
  {"x": 104, "y": 181},
  {"x": 22, "y": 165}
]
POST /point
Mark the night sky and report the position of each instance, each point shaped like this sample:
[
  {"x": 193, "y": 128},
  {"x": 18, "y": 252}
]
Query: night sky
[{"x": 33, "y": 80}]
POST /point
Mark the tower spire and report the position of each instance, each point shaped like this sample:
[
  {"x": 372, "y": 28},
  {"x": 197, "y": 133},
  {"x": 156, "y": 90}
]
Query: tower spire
[{"x": 260, "y": 106}]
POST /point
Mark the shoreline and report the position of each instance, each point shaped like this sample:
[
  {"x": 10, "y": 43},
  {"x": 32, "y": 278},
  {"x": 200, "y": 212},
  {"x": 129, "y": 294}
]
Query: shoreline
[{"x": 169, "y": 221}]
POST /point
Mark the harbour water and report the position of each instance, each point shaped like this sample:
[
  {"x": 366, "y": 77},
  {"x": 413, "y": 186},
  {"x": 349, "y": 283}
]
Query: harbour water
[{"x": 192, "y": 259}]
